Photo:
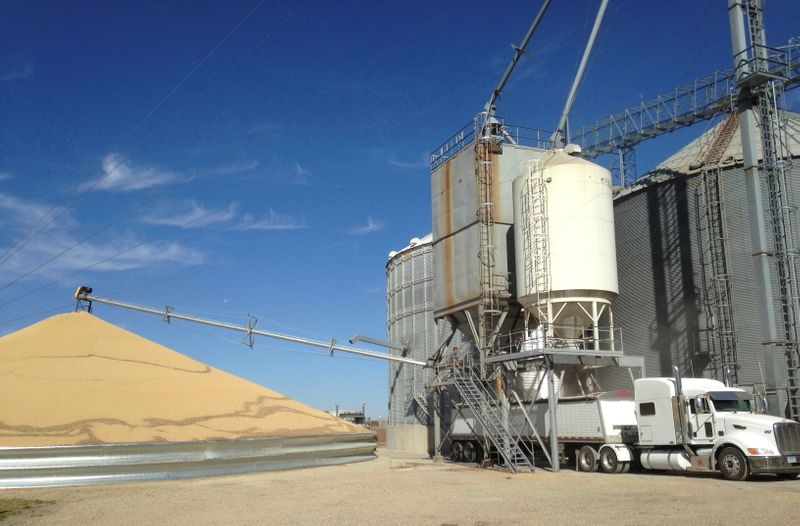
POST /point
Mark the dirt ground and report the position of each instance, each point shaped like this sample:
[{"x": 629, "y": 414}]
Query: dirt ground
[{"x": 401, "y": 489}]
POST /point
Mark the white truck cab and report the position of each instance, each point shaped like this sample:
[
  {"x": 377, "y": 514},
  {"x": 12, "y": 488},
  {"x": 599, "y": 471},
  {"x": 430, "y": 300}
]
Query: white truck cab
[{"x": 699, "y": 424}]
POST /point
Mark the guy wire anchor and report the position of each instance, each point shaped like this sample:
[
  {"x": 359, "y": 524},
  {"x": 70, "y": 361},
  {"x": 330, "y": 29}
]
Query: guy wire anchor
[{"x": 248, "y": 337}]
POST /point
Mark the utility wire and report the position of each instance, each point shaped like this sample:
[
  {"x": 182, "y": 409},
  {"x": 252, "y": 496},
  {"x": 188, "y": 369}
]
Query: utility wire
[
  {"x": 81, "y": 187},
  {"x": 108, "y": 225}
]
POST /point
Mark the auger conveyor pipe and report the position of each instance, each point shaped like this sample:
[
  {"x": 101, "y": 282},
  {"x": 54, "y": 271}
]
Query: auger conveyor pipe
[{"x": 168, "y": 314}]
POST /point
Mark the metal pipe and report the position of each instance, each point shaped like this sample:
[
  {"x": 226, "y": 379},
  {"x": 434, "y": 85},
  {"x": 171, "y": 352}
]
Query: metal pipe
[
  {"x": 518, "y": 51},
  {"x": 576, "y": 82},
  {"x": 168, "y": 314},
  {"x": 761, "y": 251},
  {"x": 551, "y": 408}
]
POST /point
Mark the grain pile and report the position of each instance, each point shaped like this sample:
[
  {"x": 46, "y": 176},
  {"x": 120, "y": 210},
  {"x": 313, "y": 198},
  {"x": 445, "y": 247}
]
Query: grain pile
[{"x": 74, "y": 379}]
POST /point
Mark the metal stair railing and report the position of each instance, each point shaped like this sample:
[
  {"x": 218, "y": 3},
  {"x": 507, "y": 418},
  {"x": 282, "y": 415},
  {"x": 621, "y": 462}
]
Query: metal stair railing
[{"x": 503, "y": 436}]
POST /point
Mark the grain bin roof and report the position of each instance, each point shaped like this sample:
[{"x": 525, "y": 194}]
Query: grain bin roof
[
  {"x": 74, "y": 379},
  {"x": 686, "y": 161}
]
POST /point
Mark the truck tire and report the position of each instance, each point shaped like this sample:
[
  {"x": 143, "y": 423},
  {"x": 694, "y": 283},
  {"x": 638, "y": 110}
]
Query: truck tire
[
  {"x": 609, "y": 463},
  {"x": 457, "y": 452},
  {"x": 469, "y": 452},
  {"x": 587, "y": 459},
  {"x": 733, "y": 464}
]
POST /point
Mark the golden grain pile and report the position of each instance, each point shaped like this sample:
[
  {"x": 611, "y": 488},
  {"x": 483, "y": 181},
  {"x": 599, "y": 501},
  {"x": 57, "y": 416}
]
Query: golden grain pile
[{"x": 75, "y": 379}]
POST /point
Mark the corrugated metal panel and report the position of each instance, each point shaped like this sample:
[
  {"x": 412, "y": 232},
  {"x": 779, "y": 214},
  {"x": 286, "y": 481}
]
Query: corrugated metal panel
[
  {"x": 410, "y": 322},
  {"x": 660, "y": 307},
  {"x": 80, "y": 465}
]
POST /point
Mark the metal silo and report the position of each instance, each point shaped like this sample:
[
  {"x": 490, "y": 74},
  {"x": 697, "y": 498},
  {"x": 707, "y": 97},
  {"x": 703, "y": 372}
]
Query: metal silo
[
  {"x": 410, "y": 323},
  {"x": 667, "y": 303},
  {"x": 456, "y": 229},
  {"x": 564, "y": 230}
]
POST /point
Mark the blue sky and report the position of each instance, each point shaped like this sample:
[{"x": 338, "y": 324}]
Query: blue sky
[{"x": 264, "y": 157}]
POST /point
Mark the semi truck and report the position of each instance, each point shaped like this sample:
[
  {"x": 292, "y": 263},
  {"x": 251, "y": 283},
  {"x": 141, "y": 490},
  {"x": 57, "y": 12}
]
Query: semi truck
[{"x": 690, "y": 424}]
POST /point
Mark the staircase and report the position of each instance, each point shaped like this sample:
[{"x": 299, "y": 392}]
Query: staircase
[{"x": 500, "y": 433}]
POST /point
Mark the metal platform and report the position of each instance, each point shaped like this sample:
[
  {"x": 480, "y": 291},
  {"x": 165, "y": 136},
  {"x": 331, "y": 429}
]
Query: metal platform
[{"x": 26, "y": 467}]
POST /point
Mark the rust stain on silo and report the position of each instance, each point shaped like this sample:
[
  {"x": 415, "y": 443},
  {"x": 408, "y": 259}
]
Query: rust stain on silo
[
  {"x": 446, "y": 236},
  {"x": 497, "y": 211}
]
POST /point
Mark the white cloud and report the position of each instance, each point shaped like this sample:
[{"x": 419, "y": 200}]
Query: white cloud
[
  {"x": 21, "y": 212},
  {"x": 370, "y": 227},
  {"x": 295, "y": 174},
  {"x": 21, "y": 74},
  {"x": 121, "y": 176},
  {"x": 54, "y": 236},
  {"x": 5, "y": 176},
  {"x": 273, "y": 221},
  {"x": 125, "y": 252},
  {"x": 421, "y": 164},
  {"x": 194, "y": 215},
  {"x": 236, "y": 168},
  {"x": 298, "y": 175}
]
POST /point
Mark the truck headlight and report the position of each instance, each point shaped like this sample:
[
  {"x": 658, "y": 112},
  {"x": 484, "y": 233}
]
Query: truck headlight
[{"x": 760, "y": 451}]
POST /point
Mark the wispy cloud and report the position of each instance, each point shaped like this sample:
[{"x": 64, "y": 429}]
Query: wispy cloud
[
  {"x": 273, "y": 221},
  {"x": 194, "y": 215},
  {"x": 19, "y": 74},
  {"x": 421, "y": 163},
  {"x": 370, "y": 227},
  {"x": 21, "y": 212},
  {"x": 236, "y": 168},
  {"x": 120, "y": 175},
  {"x": 298, "y": 174},
  {"x": 126, "y": 252},
  {"x": 5, "y": 176},
  {"x": 72, "y": 251}
]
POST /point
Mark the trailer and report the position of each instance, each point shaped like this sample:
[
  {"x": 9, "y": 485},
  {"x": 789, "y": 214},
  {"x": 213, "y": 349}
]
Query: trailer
[{"x": 694, "y": 424}]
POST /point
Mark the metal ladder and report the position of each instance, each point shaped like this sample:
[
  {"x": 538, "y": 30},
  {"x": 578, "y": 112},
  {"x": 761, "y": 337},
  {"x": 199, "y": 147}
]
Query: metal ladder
[
  {"x": 535, "y": 230},
  {"x": 489, "y": 307},
  {"x": 500, "y": 433},
  {"x": 716, "y": 257},
  {"x": 775, "y": 162}
]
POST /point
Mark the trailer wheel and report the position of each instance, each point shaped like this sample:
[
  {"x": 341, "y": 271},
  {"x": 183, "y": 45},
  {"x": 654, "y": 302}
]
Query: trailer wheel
[
  {"x": 626, "y": 467},
  {"x": 469, "y": 452},
  {"x": 457, "y": 452},
  {"x": 733, "y": 465},
  {"x": 609, "y": 462},
  {"x": 587, "y": 459}
]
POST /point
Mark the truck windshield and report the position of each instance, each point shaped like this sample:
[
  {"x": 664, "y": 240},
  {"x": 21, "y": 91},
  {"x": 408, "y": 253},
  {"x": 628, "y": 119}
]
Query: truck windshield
[{"x": 729, "y": 401}]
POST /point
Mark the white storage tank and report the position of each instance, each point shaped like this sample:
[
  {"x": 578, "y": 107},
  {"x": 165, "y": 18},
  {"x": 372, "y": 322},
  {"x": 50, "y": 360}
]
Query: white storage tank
[{"x": 564, "y": 239}]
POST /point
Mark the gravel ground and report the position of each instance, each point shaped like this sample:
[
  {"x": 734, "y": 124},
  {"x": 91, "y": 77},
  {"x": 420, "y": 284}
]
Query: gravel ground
[{"x": 401, "y": 489}]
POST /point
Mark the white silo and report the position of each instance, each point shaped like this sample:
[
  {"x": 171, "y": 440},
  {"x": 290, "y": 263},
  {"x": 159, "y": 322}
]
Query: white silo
[{"x": 566, "y": 269}]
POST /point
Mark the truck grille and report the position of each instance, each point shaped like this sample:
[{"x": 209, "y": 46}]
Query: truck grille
[{"x": 787, "y": 435}]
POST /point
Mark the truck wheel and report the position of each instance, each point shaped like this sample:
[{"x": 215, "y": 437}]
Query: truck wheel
[
  {"x": 478, "y": 453},
  {"x": 469, "y": 452},
  {"x": 609, "y": 462},
  {"x": 733, "y": 464},
  {"x": 457, "y": 452},
  {"x": 626, "y": 467},
  {"x": 587, "y": 459}
]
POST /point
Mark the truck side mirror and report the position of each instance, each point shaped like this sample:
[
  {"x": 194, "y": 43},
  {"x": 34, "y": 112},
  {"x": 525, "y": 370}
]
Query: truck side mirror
[{"x": 700, "y": 404}]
